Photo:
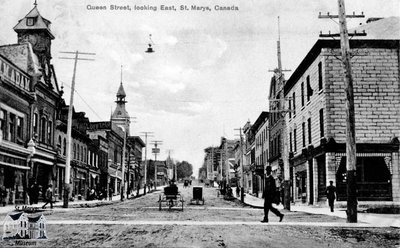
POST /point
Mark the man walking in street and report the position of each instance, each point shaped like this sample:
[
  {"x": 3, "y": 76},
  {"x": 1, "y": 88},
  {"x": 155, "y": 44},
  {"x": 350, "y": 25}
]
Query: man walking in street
[
  {"x": 49, "y": 196},
  {"x": 331, "y": 194},
  {"x": 269, "y": 195}
]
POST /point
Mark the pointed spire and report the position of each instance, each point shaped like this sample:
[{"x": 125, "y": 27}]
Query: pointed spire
[
  {"x": 35, "y": 3},
  {"x": 121, "y": 92}
]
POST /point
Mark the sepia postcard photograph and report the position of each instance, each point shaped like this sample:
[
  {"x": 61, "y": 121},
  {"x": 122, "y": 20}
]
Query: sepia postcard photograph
[{"x": 200, "y": 123}]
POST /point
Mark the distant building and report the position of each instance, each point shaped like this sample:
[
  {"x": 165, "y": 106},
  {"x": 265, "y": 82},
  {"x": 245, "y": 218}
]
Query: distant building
[{"x": 261, "y": 130}]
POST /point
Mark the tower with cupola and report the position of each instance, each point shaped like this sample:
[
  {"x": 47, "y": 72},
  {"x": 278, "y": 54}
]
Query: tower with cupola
[{"x": 35, "y": 29}]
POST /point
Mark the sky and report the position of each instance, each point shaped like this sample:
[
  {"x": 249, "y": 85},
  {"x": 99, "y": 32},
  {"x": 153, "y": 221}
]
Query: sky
[{"x": 210, "y": 71}]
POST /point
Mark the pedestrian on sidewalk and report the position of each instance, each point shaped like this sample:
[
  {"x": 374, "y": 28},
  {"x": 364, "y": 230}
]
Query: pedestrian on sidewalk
[
  {"x": 269, "y": 196},
  {"x": 331, "y": 194},
  {"x": 49, "y": 196},
  {"x": 110, "y": 194},
  {"x": 237, "y": 190}
]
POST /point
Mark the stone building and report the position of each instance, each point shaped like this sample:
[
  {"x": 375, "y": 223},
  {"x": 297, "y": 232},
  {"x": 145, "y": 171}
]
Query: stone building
[{"x": 316, "y": 125}]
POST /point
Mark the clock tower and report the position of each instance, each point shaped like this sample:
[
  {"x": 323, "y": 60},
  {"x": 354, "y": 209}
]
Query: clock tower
[{"x": 35, "y": 29}]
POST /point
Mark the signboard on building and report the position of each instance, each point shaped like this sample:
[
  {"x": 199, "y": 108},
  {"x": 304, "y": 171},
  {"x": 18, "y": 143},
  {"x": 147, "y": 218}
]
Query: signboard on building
[
  {"x": 155, "y": 150},
  {"x": 100, "y": 125}
]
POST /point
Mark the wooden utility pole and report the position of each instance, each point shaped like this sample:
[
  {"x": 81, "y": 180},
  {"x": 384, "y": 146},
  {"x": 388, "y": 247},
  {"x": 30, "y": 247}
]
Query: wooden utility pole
[
  {"x": 350, "y": 118},
  {"x": 67, "y": 176},
  {"x": 146, "y": 134},
  {"x": 156, "y": 150}
]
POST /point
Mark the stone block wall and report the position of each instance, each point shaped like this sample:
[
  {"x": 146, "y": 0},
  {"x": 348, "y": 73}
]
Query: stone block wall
[{"x": 376, "y": 95}]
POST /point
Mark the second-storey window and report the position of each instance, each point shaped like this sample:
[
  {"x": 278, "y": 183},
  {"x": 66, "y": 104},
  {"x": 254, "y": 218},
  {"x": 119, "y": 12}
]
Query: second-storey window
[
  {"x": 20, "y": 128},
  {"x": 290, "y": 142},
  {"x": 303, "y": 125},
  {"x": 11, "y": 127},
  {"x": 294, "y": 140},
  {"x": 321, "y": 122},
  {"x": 320, "y": 76},
  {"x": 294, "y": 103},
  {"x": 3, "y": 121},
  {"x": 309, "y": 130},
  {"x": 302, "y": 94}
]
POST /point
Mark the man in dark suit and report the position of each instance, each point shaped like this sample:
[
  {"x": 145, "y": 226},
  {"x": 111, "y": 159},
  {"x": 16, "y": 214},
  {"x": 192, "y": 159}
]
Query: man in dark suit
[
  {"x": 269, "y": 195},
  {"x": 331, "y": 194}
]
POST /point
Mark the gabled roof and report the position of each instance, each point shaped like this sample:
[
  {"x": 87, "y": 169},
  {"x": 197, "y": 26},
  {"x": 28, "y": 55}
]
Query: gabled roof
[
  {"x": 22, "y": 55},
  {"x": 16, "y": 215},
  {"x": 35, "y": 219},
  {"x": 40, "y": 23}
]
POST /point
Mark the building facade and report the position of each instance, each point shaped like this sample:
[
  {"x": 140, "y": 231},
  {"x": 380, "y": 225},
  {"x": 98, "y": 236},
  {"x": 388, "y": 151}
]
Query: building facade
[
  {"x": 316, "y": 125},
  {"x": 261, "y": 130}
]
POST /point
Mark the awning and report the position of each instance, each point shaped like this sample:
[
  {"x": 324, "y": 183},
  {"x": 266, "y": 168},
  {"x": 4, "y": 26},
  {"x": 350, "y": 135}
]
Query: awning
[{"x": 15, "y": 166}]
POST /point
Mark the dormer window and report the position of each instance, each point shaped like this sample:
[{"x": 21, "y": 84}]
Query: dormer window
[{"x": 30, "y": 21}]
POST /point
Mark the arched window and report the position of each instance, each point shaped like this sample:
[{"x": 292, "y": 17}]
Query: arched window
[
  {"x": 84, "y": 155},
  {"x": 74, "y": 151},
  {"x": 59, "y": 142},
  {"x": 81, "y": 153},
  {"x": 50, "y": 132},
  {"x": 77, "y": 152},
  {"x": 43, "y": 130}
]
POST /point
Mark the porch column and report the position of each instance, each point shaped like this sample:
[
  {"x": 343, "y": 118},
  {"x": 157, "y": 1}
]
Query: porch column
[{"x": 395, "y": 177}]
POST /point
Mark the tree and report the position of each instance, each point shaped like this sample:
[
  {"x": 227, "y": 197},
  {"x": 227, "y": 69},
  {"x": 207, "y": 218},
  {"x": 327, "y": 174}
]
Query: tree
[{"x": 184, "y": 169}]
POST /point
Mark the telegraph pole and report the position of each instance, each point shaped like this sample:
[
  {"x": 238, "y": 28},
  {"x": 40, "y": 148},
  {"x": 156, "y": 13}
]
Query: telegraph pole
[
  {"x": 69, "y": 125},
  {"x": 241, "y": 164},
  {"x": 146, "y": 134},
  {"x": 350, "y": 118},
  {"x": 282, "y": 110},
  {"x": 156, "y": 150}
]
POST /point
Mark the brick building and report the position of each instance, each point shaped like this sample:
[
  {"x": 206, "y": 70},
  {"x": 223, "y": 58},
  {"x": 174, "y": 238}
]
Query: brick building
[
  {"x": 29, "y": 98},
  {"x": 316, "y": 125},
  {"x": 261, "y": 130}
]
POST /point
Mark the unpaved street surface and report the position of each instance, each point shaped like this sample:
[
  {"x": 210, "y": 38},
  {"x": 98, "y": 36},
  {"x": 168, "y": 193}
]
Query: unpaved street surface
[{"x": 218, "y": 223}]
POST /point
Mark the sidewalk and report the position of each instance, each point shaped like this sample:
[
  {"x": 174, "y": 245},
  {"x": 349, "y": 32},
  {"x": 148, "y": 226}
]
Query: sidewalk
[
  {"x": 382, "y": 220},
  {"x": 77, "y": 203}
]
